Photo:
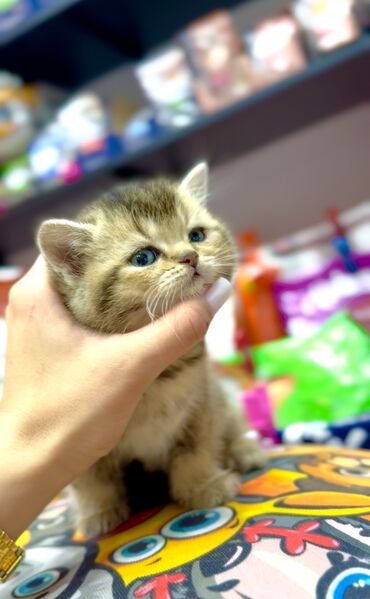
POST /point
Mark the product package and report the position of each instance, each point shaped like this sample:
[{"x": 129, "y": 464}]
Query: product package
[
  {"x": 52, "y": 157},
  {"x": 257, "y": 318},
  {"x": 306, "y": 303},
  {"x": 86, "y": 124},
  {"x": 223, "y": 73},
  {"x": 166, "y": 80},
  {"x": 353, "y": 433},
  {"x": 328, "y": 23},
  {"x": 276, "y": 48},
  {"x": 143, "y": 128},
  {"x": 78, "y": 140},
  {"x": 24, "y": 110},
  {"x": 16, "y": 179},
  {"x": 16, "y": 119},
  {"x": 329, "y": 371},
  {"x": 323, "y": 270}
]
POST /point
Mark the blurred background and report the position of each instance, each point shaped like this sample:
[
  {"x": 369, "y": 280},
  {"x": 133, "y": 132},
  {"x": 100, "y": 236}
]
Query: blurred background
[{"x": 275, "y": 95}]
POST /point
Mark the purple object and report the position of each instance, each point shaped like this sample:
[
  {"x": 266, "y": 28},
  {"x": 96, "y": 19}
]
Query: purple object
[{"x": 307, "y": 303}]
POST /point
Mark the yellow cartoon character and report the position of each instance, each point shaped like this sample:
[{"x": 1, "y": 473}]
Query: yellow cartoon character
[
  {"x": 341, "y": 469},
  {"x": 172, "y": 537}
]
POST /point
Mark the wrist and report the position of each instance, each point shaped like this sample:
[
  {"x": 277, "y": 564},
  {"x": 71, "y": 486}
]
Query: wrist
[{"x": 28, "y": 481}]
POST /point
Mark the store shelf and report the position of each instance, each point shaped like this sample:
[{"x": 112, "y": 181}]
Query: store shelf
[
  {"x": 35, "y": 20},
  {"x": 326, "y": 87},
  {"x": 114, "y": 32}
]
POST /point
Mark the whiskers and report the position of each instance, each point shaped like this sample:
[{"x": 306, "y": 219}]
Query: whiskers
[
  {"x": 222, "y": 263},
  {"x": 163, "y": 295}
]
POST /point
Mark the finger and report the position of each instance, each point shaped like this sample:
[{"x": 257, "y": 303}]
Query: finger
[{"x": 171, "y": 336}]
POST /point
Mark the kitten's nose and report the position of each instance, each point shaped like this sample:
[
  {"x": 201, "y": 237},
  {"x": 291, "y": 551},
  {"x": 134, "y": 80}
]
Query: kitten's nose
[{"x": 190, "y": 258}]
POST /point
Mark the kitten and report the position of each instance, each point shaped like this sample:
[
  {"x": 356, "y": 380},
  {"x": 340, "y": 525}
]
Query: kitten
[{"x": 126, "y": 260}]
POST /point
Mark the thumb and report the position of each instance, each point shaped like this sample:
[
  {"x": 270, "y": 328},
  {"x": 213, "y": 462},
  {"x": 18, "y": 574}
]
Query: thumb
[{"x": 172, "y": 335}]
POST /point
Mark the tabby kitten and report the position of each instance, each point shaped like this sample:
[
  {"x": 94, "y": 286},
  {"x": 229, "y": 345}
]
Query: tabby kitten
[{"x": 126, "y": 260}]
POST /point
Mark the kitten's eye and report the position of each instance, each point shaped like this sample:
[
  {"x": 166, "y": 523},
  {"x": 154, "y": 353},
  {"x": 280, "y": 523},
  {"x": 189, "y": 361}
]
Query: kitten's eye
[
  {"x": 197, "y": 235},
  {"x": 145, "y": 257}
]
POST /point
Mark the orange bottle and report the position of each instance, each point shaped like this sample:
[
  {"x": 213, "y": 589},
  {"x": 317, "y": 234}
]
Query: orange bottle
[{"x": 256, "y": 314}]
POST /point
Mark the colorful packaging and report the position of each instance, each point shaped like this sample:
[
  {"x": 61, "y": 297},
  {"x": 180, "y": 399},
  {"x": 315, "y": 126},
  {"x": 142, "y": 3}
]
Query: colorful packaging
[
  {"x": 52, "y": 157},
  {"x": 330, "y": 371},
  {"x": 258, "y": 412},
  {"x": 327, "y": 23},
  {"x": 16, "y": 122},
  {"x": 166, "y": 80},
  {"x": 223, "y": 73},
  {"x": 257, "y": 319},
  {"x": 307, "y": 303},
  {"x": 85, "y": 122},
  {"x": 353, "y": 433},
  {"x": 324, "y": 269},
  {"x": 16, "y": 178},
  {"x": 275, "y": 47},
  {"x": 142, "y": 128}
]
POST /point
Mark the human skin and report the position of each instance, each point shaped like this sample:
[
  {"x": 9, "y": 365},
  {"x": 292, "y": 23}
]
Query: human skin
[{"x": 69, "y": 392}]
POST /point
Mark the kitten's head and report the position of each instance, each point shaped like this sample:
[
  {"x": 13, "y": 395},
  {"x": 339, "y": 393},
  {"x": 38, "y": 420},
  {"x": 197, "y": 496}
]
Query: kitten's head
[{"x": 137, "y": 251}]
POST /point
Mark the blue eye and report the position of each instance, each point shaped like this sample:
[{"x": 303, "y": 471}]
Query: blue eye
[
  {"x": 145, "y": 257},
  {"x": 354, "y": 582},
  {"x": 197, "y": 235},
  {"x": 138, "y": 550},
  {"x": 37, "y": 583},
  {"x": 197, "y": 522}
]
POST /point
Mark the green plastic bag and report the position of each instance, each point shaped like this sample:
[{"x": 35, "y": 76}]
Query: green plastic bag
[{"x": 331, "y": 370}]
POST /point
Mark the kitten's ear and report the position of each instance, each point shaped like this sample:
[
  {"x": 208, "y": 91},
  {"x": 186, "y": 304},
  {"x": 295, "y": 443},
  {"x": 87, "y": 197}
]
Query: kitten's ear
[
  {"x": 64, "y": 244},
  {"x": 196, "y": 182}
]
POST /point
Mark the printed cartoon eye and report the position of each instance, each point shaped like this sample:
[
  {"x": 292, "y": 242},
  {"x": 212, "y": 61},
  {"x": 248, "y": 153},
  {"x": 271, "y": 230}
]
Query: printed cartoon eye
[
  {"x": 197, "y": 522},
  {"x": 145, "y": 257},
  {"x": 353, "y": 582},
  {"x": 356, "y": 471},
  {"x": 38, "y": 582},
  {"x": 197, "y": 235},
  {"x": 138, "y": 550}
]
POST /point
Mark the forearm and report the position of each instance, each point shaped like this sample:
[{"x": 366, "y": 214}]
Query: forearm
[{"x": 28, "y": 481}]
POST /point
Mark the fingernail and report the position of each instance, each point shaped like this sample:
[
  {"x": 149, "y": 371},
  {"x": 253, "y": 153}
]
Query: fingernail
[{"x": 218, "y": 294}]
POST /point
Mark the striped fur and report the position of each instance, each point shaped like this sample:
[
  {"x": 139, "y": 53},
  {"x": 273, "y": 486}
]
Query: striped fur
[{"x": 183, "y": 425}]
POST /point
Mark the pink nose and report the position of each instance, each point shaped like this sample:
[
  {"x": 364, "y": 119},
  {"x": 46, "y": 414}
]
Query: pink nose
[{"x": 190, "y": 258}]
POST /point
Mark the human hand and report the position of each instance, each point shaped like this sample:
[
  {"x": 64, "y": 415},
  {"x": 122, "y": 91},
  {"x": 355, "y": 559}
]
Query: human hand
[{"x": 69, "y": 393}]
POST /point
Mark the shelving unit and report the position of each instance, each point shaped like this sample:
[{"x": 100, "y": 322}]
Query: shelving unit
[
  {"x": 60, "y": 41},
  {"x": 121, "y": 30},
  {"x": 333, "y": 83}
]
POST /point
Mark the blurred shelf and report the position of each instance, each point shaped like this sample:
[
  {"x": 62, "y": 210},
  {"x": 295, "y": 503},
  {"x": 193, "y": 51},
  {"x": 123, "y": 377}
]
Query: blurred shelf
[
  {"x": 96, "y": 37},
  {"x": 39, "y": 17},
  {"x": 329, "y": 85}
]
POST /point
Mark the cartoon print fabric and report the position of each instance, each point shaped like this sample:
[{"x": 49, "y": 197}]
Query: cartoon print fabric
[{"x": 300, "y": 528}]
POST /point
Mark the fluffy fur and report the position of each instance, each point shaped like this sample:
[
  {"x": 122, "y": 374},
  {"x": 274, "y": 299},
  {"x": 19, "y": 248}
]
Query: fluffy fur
[{"x": 183, "y": 426}]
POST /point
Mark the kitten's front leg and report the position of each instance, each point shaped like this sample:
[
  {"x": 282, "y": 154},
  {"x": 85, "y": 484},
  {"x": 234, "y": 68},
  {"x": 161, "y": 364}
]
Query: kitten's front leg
[
  {"x": 197, "y": 481},
  {"x": 241, "y": 453},
  {"x": 101, "y": 498}
]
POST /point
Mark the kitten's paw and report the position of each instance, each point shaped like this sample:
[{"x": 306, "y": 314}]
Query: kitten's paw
[
  {"x": 247, "y": 455},
  {"x": 215, "y": 491},
  {"x": 104, "y": 521}
]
